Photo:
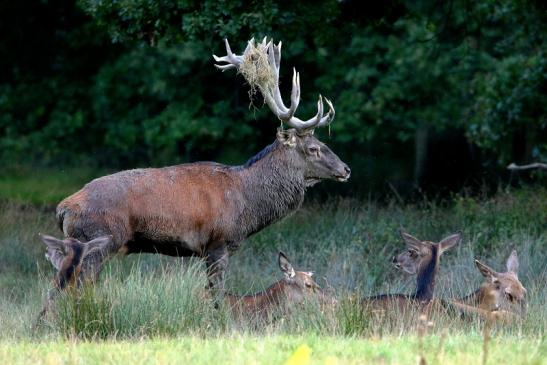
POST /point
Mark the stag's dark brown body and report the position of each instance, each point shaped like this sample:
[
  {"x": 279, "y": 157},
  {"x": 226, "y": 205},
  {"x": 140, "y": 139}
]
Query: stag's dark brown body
[
  {"x": 204, "y": 209},
  {"x": 185, "y": 209}
]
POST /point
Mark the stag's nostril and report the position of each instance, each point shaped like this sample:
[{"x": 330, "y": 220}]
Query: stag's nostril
[{"x": 347, "y": 170}]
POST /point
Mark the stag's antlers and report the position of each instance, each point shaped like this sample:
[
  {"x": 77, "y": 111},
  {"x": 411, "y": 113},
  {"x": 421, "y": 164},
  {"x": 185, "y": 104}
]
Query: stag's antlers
[{"x": 270, "y": 87}]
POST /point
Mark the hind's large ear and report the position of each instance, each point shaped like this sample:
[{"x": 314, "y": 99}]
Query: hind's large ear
[
  {"x": 485, "y": 270},
  {"x": 411, "y": 240},
  {"x": 450, "y": 241},
  {"x": 513, "y": 263},
  {"x": 98, "y": 244},
  {"x": 56, "y": 250},
  {"x": 285, "y": 266}
]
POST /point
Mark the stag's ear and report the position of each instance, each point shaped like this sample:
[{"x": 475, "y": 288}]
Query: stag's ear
[
  {"x": 285, "y": 266},
  {"x": 98, "y": 244},
  {"x": 513, "y": 263},
  {"x": 411, "y": 240},
  {"x": 56, "y": 250},
  {"x": 287, "y": 137},
  {"x": 450, "y": 241},
  {"x": 485, "y": 270}
]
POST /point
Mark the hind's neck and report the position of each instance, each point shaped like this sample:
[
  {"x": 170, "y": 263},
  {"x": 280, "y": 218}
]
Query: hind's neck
[{"x": 425, "y": 281}]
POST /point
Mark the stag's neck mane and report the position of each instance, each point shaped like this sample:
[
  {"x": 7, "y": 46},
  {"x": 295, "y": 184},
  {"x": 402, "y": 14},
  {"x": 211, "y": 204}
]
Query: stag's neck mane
[{"x": 273, "y": 186}]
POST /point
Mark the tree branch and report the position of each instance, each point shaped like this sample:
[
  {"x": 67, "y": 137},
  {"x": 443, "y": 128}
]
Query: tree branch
[{"x": 535, "y": 165}]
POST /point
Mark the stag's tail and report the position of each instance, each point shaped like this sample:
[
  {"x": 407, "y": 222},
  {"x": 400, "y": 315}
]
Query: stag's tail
[{"x": 61, "y": 211}]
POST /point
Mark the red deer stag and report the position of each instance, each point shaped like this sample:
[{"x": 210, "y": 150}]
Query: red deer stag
[
  {"x": 205, "y": 209},
  {"x": 421, "y": 258},
  {"x": 293, "y": 289}
]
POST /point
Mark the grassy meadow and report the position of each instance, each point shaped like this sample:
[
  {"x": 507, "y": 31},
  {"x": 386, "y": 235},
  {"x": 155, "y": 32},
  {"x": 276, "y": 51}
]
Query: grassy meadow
[{"x": 153, "y": 309}]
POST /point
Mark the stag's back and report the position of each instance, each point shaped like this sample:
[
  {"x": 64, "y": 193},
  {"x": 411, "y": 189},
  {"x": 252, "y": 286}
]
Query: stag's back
[{"x": 180, "y": 200}]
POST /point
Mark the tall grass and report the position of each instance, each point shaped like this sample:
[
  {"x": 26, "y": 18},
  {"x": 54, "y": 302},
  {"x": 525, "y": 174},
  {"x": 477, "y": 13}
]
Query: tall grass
[
  {"x": 347, "y": 243},
  {"x": 165, "y": 302}
]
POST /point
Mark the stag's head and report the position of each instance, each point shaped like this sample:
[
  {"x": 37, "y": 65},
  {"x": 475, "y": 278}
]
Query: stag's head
[
  {"x": 68, "y": 255},
  {"x": 300, "y": 285},
  {"x": 512, "y": 292},
  {"x": 419, "y": 254},
  {"x": 260, "y": 65}
]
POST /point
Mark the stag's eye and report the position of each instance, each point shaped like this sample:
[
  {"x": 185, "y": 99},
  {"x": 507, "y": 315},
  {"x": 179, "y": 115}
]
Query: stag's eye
[{"x": 313, "y": 150}]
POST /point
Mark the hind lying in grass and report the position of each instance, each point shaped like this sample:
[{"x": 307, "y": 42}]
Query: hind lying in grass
[
  {"x": 501, "y": 296},
  {"x": 295, "y": 288},
  {"x": 422, "y": 258}
]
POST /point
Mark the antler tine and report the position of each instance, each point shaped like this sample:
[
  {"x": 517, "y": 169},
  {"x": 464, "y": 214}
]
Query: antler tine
[
  {"x": 327, "y": 119},
  {"x": 276, "y": 93},
  {"x": 274, "y": 59},
  {"x": 232, "y": 60},
  {"x": 295, "y": 91},
  {"x": 277, "y": 54},
  {"x": 311, "y": 123}
]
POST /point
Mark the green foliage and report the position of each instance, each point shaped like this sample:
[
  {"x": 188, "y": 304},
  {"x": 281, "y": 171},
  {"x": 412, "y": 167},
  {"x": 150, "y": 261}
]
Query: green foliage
[{"x": 132, "y": 82}]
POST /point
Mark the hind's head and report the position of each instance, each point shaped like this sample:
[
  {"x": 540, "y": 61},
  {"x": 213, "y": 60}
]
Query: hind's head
[
  {"x": 418, "y": 254},
  {"x": 300, "y": 285},
  {"x": 512, "y": 294},
  {"x": 68, "y": 255}
]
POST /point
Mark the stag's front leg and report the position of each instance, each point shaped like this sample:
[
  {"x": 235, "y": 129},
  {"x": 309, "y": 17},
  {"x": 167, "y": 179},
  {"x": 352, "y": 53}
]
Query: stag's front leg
[{"x": 217, "y": 263}]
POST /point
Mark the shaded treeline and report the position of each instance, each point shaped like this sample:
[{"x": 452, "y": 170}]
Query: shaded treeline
[{"x": 428, "y": 93}]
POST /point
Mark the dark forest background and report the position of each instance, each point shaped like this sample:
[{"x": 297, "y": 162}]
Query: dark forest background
[{"x": 433, "y": 96}]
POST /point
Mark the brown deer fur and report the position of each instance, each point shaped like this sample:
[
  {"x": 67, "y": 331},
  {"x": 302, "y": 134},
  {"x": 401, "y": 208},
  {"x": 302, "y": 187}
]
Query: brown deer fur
[
  {"x": 294, "y": 288},
  {"x": 502, "y": 291},
  {"x": 421, "y": 258},
  {"x": 489, "y": 297},
  {"x": 67, "y": 256}
]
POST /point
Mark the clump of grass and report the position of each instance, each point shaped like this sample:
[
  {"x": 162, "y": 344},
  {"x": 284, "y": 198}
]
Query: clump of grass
[
  {"x": 352, "y": 318},
  {"x": 256, "y": 69},
  {"x": 168, "y": 303}
]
